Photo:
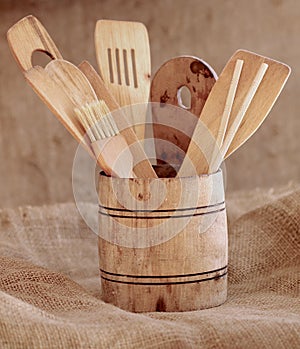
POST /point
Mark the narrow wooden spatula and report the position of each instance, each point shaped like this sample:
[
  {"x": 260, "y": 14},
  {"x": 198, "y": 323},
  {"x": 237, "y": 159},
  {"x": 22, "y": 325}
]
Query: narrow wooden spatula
[
  {"x": 123, "y": 56},
  {"x": 142, "y": 166},
  {"x": 254, "y": 97}
]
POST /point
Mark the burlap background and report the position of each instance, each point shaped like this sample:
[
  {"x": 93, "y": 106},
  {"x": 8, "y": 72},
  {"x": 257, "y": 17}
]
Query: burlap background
[{"x": 49, "y": 284}]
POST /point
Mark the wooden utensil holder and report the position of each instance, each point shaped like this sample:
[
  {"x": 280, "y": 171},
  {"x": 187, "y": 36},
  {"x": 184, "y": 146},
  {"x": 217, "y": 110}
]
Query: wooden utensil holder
[{"x": 163, "y": 242}]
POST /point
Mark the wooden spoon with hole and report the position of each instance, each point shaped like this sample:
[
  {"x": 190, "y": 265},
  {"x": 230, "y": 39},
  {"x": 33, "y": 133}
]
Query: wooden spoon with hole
[{"x": 167, "y": 86}]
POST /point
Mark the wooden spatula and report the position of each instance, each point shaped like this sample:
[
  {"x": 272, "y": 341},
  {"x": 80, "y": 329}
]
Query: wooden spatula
[
  {"x": 142, "y": 167},
  {"x": 57, "y": 101},
  {"x": 201, "y": 152},
  {"x": 72, "y": 81},
  {"x": 123, "y": 56},
  {"x": 198, "y": 77}
]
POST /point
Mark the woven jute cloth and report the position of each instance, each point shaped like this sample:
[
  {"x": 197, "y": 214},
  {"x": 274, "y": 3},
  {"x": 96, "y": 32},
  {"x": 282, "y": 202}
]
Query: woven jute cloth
[{"x": 50, "y": 295}]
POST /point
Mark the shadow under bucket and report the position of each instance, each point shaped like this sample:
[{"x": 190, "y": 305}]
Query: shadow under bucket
[{"x": 163, "y": 242}]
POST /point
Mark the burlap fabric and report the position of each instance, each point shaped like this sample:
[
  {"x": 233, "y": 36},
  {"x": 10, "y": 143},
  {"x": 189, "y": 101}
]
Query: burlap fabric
[{"x": 49, "y": 284}]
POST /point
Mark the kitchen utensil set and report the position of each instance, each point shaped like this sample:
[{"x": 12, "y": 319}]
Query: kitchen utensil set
[
  {"x": 227, "y": 110},
  {"x": 64, "y": 87}
]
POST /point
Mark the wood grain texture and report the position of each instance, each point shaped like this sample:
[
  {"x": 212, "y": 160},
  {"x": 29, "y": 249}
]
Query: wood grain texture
[
  {"x": 199, "y": 78},
  {"x": 233, "y": 128},
  {"x": 163, "y": 243},
  {"x": 123, "y": 56},
  {"x": 229, "y": 102},
  {"x": 72, "y": 81},
  {"x": 269, "y": 90},
  {"x": 142, "y": 166},
  {"x": 56, "y": 99},
  {"x": 114, "y": 156},
  {"x": 27, "y": 36},
  {"x": 203, "y": 144}
]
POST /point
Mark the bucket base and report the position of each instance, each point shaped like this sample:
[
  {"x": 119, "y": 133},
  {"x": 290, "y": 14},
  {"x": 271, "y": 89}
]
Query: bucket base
[{"x": 165, "y": 296}]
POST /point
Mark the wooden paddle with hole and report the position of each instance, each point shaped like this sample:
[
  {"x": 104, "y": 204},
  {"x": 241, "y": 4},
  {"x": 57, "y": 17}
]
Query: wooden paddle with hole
[
  {"x": 142, "y": 166},
  {"x": 166, "y": 88},
  {"x": 27, "y": 36},
  {"x": 123, "y": 56},
  {"x": 201, "y": 152}
]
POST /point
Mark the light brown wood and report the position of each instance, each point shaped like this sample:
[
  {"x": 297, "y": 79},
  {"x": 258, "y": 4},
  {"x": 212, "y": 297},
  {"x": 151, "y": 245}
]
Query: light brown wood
[
  {"x": 114, "y": 156},
  {"x": 27, "y": 36},
  {"x": 177, "y": 128},
  {"x": 57, "y": 101},
  {"x": 142, "y": 166},
  {"x": 163, "y": 243},
  {"x": 73, "y": 82},
  {"x": 203, "y": 144},
  {"x": 229, "y": 101},
  {"x": 123, "y": 56},
  {"x": 110, "y": 147},
  {"x": 263, "y": 101},
  {"x": 231, "y": 131}
]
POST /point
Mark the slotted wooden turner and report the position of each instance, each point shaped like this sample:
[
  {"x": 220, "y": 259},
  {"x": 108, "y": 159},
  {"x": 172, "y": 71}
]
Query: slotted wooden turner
[
  {"x": 202, "y": 147},
  {"x": 123, "y": 56},
  {"x": 270, "y": 89}
]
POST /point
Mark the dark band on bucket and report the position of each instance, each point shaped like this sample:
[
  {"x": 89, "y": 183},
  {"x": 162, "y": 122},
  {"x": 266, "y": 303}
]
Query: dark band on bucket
[
  {"x": 163, "y": 210},
  {"x": 216, "y": 277},
  {"x": 162, "y": 217},
  {"x": 163, "y": 276}
]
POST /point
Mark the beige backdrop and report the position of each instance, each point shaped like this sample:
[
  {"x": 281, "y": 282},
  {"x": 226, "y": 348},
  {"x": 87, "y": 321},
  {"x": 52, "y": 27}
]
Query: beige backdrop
[{"x": 37, "y": 153}]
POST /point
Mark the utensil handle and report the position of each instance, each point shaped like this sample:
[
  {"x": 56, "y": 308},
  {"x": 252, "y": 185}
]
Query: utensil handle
[
  {"x": 28, "y": 36},
  {"x": 227, "y": 111},
  {"x": 238, "y": 119}
]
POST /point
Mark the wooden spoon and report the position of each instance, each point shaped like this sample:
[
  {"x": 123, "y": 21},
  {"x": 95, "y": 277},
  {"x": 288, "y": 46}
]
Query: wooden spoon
[
  {"x": 198, "y": 77},
  {"x": 123, "y": 55}
]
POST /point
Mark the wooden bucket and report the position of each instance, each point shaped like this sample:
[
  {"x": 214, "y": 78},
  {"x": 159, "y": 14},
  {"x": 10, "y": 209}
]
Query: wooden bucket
[{"x": 163, "y": 242}]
